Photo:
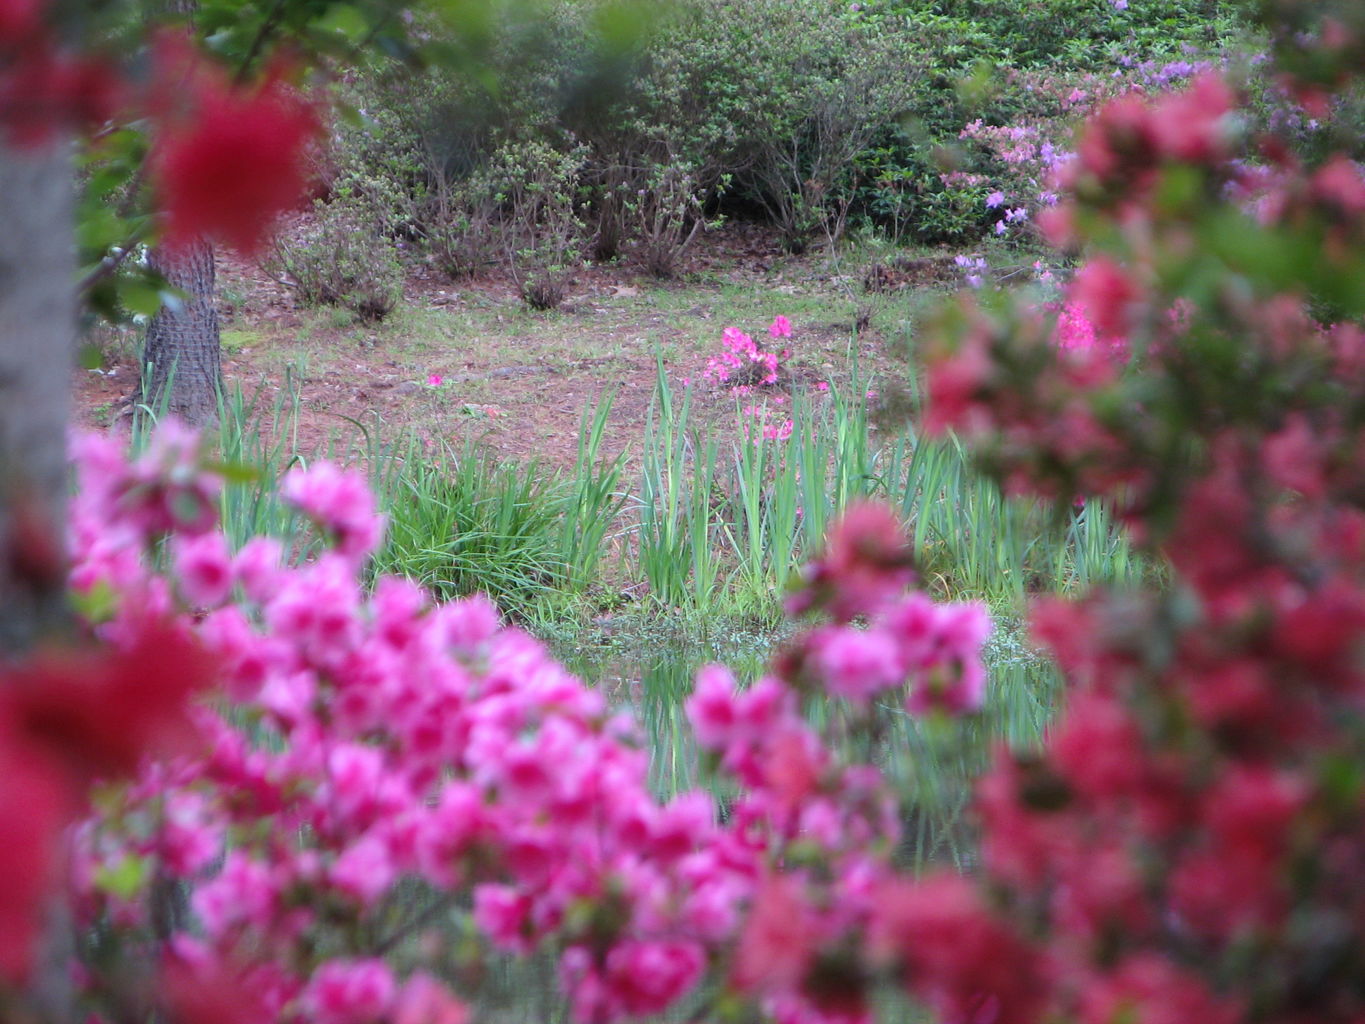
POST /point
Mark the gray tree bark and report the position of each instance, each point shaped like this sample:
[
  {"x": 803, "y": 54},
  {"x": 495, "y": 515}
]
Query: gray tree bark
[
  {"x": 181, "y": 365},
  {"x": 181, "y": 360},
  {"x": 37, "y": 342}
]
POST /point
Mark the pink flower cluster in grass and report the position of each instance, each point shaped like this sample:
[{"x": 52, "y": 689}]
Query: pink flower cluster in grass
[
  {"x": 367, "y": 737},
  {"x": 744, "y": 364},
  {"x": 765, "y": 426}
]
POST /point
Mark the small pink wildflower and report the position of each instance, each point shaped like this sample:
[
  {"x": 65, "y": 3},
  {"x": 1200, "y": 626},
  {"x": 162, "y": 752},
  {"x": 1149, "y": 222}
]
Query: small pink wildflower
[
  {"x": 778, "y": 431},
  {"x": 435, "y": 380},
  {"x": 781, "y": 327}
]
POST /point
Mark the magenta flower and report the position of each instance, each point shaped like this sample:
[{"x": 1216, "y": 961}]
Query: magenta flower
[
  {"x": 781, "y": 327},
  {"x": 435, "y": 380}
]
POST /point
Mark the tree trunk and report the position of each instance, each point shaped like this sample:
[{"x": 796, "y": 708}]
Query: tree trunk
[
  {"x": 182, "y": 372},
  {"x": 37, "y": 340}
]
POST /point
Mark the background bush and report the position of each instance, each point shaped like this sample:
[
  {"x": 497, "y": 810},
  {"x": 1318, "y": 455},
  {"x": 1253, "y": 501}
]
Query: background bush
[
  {"x": 808, "y": 116},
  {"x": 341, "y": 256}
]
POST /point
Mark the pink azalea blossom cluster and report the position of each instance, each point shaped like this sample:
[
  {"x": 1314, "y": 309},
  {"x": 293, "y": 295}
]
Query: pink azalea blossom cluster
[
  {"x": 363, "y": 740},
  {"x": 935, "y": 649},
  {"x": 903, "y": 641},
  {"x": 820, "y": 926},
  {"x": 403, "y": 740},
  {"x": 1031, "y": 159},
  {"x": 1076, "y": 332},
  {"x": 744, "y": 364},
  {"x": 1029, "y": 156},
  {"x": 974, "y": 269},
  {"x": 1179, "y": 849}
]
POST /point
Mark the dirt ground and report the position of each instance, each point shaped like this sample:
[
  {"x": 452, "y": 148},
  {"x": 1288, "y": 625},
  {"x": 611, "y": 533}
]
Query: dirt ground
[{"x": 516, "y": 380}]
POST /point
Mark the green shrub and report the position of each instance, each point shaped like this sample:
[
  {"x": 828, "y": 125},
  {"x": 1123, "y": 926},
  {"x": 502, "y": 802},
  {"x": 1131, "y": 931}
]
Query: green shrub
[
  {"x": 337, "y": 257},
  {"x": 810, "y": 112},
  {"x": 668, "y": 213},
  {"x": 542, "y": 231}
]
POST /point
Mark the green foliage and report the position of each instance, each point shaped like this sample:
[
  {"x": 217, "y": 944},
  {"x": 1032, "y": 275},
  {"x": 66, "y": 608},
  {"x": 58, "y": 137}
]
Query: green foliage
[
  {"x": 542, "y": 232},
  {"x": 727, "y": 519},
  {"x": 592, "y": 502},
  {"x": 337, "y": 257},
  {"x": 1005, "y": 61},
  {"x": 768, "y": 101},
  {"x": 1083, "y": 35},
  {"x": 465, "y": 522}
]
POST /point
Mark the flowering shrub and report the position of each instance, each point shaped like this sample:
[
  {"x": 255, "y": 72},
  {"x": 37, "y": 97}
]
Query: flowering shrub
[
  {"x": 1076, "y": 332},
  {"x": 1188, "y": 845},
  {"x": 745, "y": 364},
  {"x": 361, "y": 742}
]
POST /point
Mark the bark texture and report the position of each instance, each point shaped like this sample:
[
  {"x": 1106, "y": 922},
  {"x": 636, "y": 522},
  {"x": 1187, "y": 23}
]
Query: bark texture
[
  {"x": 182, "y": 370},
  {"x": 37, "y": 341}
]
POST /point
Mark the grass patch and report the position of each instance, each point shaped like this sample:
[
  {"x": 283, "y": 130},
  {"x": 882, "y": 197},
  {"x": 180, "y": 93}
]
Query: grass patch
[{"x": 235, "y": 340}]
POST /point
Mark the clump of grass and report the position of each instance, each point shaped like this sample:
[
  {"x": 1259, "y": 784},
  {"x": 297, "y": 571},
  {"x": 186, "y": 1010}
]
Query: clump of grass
[
  {"x": 726, "y": 536},
  {"x": 464, "y": 522}
]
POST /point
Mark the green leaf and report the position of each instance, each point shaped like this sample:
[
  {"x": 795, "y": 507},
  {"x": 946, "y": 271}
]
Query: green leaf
[
  {"x": 100, "y": 229},
  {"x": 90, "y": 358},
  {"x": 96, "y": 604},
  {"x": 345, "y": 21},
  {"x": 126, "y": 879},
  {"x": 235, "y": 472},
  {"x": 141, "y": 296}
]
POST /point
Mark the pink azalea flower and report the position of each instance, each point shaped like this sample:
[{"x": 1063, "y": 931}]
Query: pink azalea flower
[
  {"x": 351, "y": 992},
  {"x": 203, "y": 568}
]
